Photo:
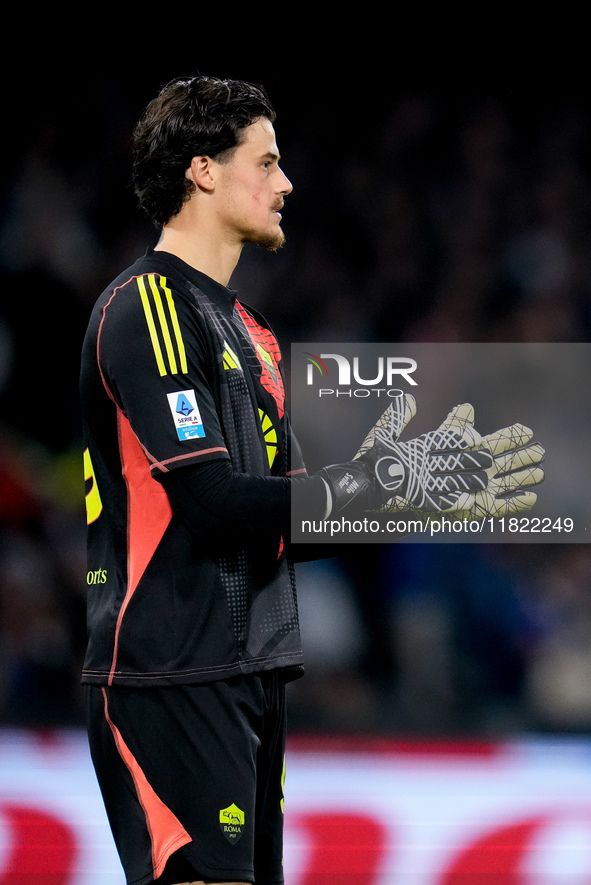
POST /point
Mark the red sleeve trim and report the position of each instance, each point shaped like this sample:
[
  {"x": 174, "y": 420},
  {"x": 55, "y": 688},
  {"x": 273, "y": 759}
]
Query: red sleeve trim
[{"x": 162, "y": 465}]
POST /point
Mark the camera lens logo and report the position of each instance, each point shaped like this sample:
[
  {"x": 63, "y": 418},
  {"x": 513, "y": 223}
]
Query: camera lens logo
[{"x": 315, "y": 362}]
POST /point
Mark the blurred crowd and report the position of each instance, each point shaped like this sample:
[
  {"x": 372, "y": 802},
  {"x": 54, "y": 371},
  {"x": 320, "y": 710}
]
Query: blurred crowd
[{"x": 436, "y": 218}]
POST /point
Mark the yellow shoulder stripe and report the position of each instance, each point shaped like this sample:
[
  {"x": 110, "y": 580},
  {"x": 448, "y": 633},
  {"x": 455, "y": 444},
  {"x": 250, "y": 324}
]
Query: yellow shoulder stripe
[
  {"x": 166, "y": 321},
  {"x": 231, "y": 361},
  {"x": 176, "y": 328}
]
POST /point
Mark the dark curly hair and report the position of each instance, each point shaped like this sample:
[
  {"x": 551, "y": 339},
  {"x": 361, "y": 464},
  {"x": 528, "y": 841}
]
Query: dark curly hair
[{"x": 190, "y": 117}]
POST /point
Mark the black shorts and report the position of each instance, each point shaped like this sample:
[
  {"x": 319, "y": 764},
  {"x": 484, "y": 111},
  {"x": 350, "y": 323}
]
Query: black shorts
[{"x": 192, "y": 778}]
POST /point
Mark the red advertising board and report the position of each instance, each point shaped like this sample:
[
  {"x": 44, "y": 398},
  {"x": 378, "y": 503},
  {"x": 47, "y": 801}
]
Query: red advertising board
[{"x": 367, "y": 812}]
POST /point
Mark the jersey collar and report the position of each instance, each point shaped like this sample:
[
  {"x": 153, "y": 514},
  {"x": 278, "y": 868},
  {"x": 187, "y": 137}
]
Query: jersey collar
[{"x": 222, "y": 296}]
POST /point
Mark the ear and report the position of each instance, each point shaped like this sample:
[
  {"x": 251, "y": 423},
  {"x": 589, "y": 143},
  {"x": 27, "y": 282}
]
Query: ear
[{"x": 200, "y": 172}]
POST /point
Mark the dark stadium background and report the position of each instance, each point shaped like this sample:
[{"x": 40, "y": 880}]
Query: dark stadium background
[
  {"x": 431, "y": 203},
  {"x": 441, "y": 160}
]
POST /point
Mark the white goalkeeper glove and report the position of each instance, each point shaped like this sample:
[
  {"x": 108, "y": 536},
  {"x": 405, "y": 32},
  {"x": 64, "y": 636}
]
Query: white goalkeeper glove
[
  {"x": 430, "y": 473},
  {"x": 516, "y": 469}
]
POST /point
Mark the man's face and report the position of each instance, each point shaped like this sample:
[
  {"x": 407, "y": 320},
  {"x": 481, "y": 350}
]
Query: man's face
[{"x": 251, "y": 187}]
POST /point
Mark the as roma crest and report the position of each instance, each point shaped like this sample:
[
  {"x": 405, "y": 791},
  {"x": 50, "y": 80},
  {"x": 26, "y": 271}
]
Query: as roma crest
[{"x": 232, "y": 823}]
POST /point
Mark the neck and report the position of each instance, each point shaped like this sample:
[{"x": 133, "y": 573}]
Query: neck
[{"x": 208, "y": 254}]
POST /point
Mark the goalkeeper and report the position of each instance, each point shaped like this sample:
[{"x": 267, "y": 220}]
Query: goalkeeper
[{"x": 190, "y": 469}]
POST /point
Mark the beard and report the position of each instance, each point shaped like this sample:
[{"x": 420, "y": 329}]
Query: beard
[{"x": 269, "y": 242}]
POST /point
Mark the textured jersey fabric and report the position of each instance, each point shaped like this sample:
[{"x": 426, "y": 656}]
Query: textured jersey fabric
[{"x": 177, "y": 372}]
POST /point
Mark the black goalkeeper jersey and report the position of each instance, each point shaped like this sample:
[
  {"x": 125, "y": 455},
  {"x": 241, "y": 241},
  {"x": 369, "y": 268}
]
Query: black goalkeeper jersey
[{"x": 175, "y": 372}]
